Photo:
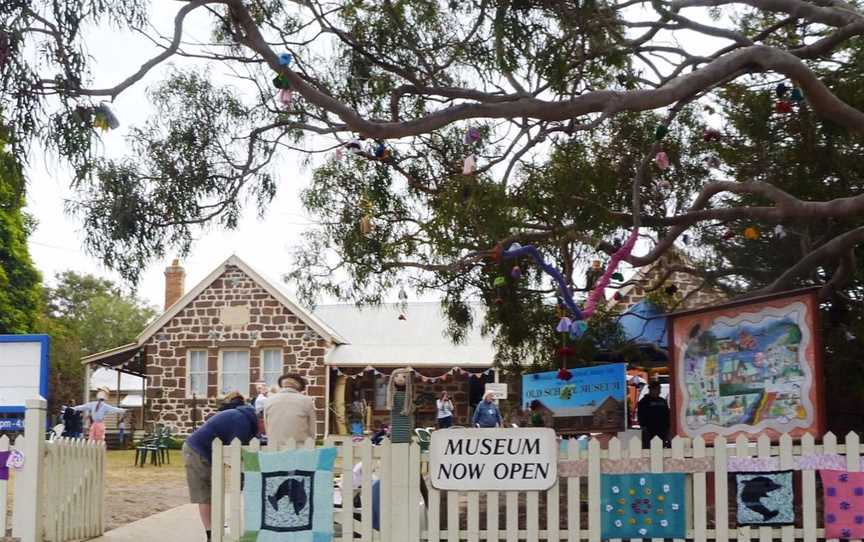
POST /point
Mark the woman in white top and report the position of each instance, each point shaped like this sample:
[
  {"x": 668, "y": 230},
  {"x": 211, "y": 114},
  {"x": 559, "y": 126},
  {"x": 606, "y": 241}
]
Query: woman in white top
[{"x": 445, "y": 411}]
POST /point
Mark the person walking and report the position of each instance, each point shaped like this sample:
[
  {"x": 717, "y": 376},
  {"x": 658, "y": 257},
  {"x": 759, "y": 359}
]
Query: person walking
[
  {"x": 97, "y": 410},
  {"x": 289, "y": 413},
  {"x": 653, "y": 414},
  {"x": 445, "y": 411},
  {"x": 240, "y": 423},
  {"x": 487, "y": 413}
]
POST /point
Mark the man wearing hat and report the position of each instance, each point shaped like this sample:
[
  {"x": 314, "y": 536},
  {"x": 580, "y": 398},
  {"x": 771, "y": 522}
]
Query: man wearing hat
[
  {"x": 653, "y": 412},
  {"x": 289, "y": 413}
]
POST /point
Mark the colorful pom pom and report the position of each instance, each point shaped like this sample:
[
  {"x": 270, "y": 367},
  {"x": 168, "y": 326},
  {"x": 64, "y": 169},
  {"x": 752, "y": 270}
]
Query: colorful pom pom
[
  {"x": 285, "y": 59},
  {"x": 110, "y": 119},
  {"x": 660, "y": 132},
  {"x": 617, "y": 276},
  {"x": 797, "y": 95},
  {"x": 564, "y": 374},
  {"x": 782, "y": 106},
  {"x": 781, "y": 90},
  {"x": 710, "y": 135},
  {"x": 469, "y": 166},
  {"x": 662, "y": 160},
  {"x": 578, "y": 328},
  {"x": 472, "y": 135},
  {"x": 563, "y": 325},
  {"x": 751, "y": 233},
  {"x": 285, "y": 97},
  {"x": 365, "y": 225},
  {"x": 516, "y": 273},
  {"x": 500, "y": 281},
  {"x": 281, "y": 82},
  {"x": 617, "y": 296}
]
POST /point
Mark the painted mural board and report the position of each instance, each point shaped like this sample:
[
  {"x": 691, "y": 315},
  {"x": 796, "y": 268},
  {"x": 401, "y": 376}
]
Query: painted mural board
[
  {"x": 749, "y": 368},
  {"x": 593, "y": 400}
]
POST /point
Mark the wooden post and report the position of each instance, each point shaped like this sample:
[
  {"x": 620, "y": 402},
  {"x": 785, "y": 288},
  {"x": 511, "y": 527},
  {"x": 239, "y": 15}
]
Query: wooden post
[
  {"x": 28, "y": 486},
  {"x": 217, "y": 492}
]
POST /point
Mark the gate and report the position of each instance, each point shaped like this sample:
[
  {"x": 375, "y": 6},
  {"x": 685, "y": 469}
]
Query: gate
[{"x": 58, "y": 494}]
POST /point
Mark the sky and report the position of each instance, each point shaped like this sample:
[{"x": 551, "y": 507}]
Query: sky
[{"x": 265, "y": 243}]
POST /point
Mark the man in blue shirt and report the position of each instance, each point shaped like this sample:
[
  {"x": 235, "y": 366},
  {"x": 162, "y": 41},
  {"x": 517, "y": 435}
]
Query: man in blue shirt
[
  {"x": 487, "y": 413},
  {"x": 240, "y": 423}
]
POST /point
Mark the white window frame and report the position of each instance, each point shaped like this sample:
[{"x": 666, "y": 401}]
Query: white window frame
[
  {"x": 245, "y": 391},
  {"x": 189, "y": 353},
  {"x": 281, "y": 364}
]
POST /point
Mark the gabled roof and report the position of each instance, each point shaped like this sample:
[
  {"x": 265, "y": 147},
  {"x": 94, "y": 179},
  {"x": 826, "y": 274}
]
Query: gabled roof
[
  {"x": 121, "y": 355},
  {"x": 377, "y": 336},
  {"x": 305, "y": 316}
]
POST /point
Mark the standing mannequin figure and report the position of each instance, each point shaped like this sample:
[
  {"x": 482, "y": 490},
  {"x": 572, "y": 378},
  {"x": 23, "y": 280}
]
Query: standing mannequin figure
[
  {"x": 97, "y": 410},
  {"x": 400, "y": 403}
]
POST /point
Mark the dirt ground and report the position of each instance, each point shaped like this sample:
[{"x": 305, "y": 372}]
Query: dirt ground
[{"x": 134, "y": 493}]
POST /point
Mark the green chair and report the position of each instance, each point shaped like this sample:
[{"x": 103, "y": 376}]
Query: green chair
[{"x": 424, "y": 438}]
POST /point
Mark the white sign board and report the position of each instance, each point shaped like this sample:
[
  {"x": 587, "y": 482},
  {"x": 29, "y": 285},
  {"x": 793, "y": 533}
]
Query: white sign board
[
  {"x": 23, "y": 366},
  {"x": 500, "y": 390},
  {"x": 524, "y": 459}
]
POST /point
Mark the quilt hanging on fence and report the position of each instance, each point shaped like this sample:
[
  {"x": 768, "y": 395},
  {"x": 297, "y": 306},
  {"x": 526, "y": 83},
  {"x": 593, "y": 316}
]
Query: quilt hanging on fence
[
  {"x": 288, "y": 496},
  {"x": 643, "y": 505},
  {"x": 4, "y": 470},
  {"x": 765, "y": 498},
  {"x": 844, "y": 503}
]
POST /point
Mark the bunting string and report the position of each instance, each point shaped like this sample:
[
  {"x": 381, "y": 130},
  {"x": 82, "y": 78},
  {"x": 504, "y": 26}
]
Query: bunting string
[{"x": 420, "y": 376}]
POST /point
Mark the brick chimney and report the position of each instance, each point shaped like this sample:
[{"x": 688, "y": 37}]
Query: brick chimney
[{"x": 175, "y": 282}]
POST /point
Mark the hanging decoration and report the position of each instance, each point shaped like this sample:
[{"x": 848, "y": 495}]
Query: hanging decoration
[
  {"x": 781, "y": 90},
  {"x": 662, "y": 161},
  {"x": 751, "y": 233},
  {"x": 780, "y": 231},
  {"x": 500, "y": 282},
  {"x": 617, "y": 276},
  {"x": 472, "y": 136},
  {"x": 783, "y": 106},
  {"x": 764, "y": 498},
  {"x": 797, "y": 95},
  {"x": 843, "y": 498},
  {"x": 713, "y": 161},
  {"x": 285, "y": 97},
  {"x": 366, "y": 218},
  {"x": 354, "y": 146},
  {"x": 660, "y": 132},
  {"x": 104, "y": 118},
  {"x": 516, "y": 273},
  {"x": 643, "y": 505},
  {"x": 469, "y": 165},
  {"x": 281, "y": 82},
  {"x": 612, "y": 267},
  {"x": 432, "y": 379},
  {"x": 518, "y": 251},
  {"x": 285, "y": 59},
  {"x": 711, "y": 135}
]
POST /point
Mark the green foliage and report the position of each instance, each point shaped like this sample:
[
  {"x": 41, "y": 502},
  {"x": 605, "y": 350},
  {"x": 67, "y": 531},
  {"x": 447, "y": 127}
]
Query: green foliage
[
  {"x": 20, "y": 283},
  {"x": 85, "y": 315}
]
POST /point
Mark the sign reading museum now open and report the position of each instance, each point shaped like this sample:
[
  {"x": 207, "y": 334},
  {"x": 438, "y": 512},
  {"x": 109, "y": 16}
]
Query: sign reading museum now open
[{"x": 493, "y": 459}]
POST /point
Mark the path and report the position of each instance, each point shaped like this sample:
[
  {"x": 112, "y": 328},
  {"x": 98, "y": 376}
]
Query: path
[{"x": 179, "y": 524}]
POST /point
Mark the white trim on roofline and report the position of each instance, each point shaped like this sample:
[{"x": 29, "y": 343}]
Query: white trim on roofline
[{"x": 305, "y": 316}]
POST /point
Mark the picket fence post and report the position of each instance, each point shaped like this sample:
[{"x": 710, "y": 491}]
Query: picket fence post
[
  {"x": 217, "y": 492},
  {"x": 28, "y": 483}
]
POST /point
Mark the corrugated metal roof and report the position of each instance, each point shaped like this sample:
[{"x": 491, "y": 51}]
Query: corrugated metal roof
[
  {"x": 108, "y": 378},
  {"x": 376, "y": 336}
]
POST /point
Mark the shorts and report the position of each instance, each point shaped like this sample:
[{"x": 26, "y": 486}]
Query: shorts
[
  {"x": 197, "y": 476},
  {"x": 97, "y": 431}
]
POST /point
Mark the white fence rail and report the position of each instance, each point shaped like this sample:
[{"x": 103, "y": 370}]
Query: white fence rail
[
  {"x": 569, "y": 511},
  {"x": 58, "y": 495}
]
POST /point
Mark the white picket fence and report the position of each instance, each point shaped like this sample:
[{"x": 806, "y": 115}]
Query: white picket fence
[
  {"x": 569, "y": 511},
  {"x": 58, "y": 495}
]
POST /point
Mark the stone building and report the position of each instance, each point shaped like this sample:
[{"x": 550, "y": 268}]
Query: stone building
[{"x": 236, "y": 328}]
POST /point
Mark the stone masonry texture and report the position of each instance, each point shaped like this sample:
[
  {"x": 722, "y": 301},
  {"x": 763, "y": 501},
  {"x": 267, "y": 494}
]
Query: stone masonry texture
[{"x": 199, "y": 326}]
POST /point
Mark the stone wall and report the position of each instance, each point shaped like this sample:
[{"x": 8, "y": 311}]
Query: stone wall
[
  {"x": 233, "y": 312},
  {"x": 690, "y": 290},
  {"x": 457, "y": 386}
]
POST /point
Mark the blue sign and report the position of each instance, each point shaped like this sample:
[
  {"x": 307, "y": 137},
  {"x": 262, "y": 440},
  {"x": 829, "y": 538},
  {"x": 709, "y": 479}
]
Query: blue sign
[
  {"x": 11, "y": 424},
  {"x": 593, "y": 399}
]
